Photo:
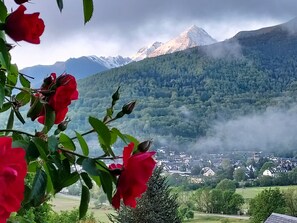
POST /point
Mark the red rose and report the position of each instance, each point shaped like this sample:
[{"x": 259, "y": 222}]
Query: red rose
[
  {"x": 62, "y": 91},
  {"x": 27, "y": 27},
  {"x": 13, "y": 169},
  {"x": 135, "y": 172}
]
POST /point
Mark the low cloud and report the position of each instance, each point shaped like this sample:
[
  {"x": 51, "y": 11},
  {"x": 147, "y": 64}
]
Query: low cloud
[
  {"x": 227, "y": 49},
  {"x": 275, "y": 129}
]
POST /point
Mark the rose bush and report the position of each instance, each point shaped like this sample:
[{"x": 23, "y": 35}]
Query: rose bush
[
  {"x": 13, "y": 169},
  {"x": 52, "y": 159},
  {"x": 20, "y": 26},
  {"x": 134, "y": 175}
]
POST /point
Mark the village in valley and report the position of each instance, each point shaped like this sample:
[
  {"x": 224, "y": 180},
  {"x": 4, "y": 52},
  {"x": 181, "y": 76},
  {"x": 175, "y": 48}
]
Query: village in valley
[{"x": 248, "y": 168}]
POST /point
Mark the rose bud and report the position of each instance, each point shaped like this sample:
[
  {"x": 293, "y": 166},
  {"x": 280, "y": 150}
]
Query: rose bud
[
  {"x": 63, "y": 125},
  {"x": 116, "y": 96},
  {"x": 128, "y": 108},
  {"x": 144, "y": 146}
]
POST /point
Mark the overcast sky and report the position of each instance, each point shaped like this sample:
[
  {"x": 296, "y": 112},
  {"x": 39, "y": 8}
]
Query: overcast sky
[{"x": 121, "y": 27}]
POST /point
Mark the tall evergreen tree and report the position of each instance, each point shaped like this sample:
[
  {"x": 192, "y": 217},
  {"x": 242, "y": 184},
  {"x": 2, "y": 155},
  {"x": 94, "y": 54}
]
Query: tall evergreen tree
[{"x": 157, "y": 204}]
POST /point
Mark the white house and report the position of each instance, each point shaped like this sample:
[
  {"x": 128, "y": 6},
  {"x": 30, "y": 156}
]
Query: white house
[
  {"x": 268, "y": 172},
  {"x": 208, "y": 172}
]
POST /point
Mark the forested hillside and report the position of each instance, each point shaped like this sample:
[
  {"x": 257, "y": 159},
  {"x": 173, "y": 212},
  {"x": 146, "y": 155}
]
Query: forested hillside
[{"x": 181, "y": 94}]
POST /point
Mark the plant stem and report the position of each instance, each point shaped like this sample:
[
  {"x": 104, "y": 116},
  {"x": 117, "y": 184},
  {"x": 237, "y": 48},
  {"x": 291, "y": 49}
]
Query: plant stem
[
  {"x": 16, "y": 131},
  {"x": 93, "y": 130},
  {"x": 18, "y": 88},
  {"x": 82, "y": 156},
  {"x": 73, "y": 153}
]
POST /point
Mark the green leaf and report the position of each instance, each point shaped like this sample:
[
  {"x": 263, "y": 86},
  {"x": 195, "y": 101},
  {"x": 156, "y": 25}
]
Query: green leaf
[
  {"x": 13, "y": 73},
  {"x": 97, "y": 180},
  {"x": 89, "y": 165},
  {"x": 18, "y": 115},
  {"x": 132, "y": 139},
  {"x": 39, "y": 187},
  {"x": 103, "y": 135},
  {"x": 106, "y": 181},
  {"x": 101, "y": 129},
  {"x": 5, "y": 106},
  {"x": 17, "y": 136},
  {"x": 4, "y": 55},
  {"x": 2, "y": 95},
  {"x": 3, "y": 11},
  {"x": 24, "y": 81},
  {"x": 71, "y": 179},
  {"x": 50, "y": 117},
  {"x": 35, "y": 108},
  {"x": 10, "y": 121},
  {"x": 42, "y": 147},
  {"x": 66, "y": 142},
  {"x": 87, "y": 180},
  {"x": 33, "y": 166},
  {"x": 60, "y": 5},
  {"x": 114, "y": 137},
  {"x": 52, "y": 143},
  {"x": 23, "y": 97},
  {"x": 84, "y": 202},
  {"x": 83, "y": 144},
  {"x": 119, "y": 134},
  {"x": 32, "y": 152},
  {"x": 53, "y": 177},
  {"x": 88, "y": 10}
]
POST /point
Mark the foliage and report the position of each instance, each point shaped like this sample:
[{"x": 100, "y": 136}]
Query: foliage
[
  {"x": 157, "y": 204},
  {"x": 239, "y": 174},
  {"x": 290, "y": 196},
  {"x": 53, "y": 158},
  {"x": 265, "y": 203},
  {"x": 71, "y": 216},
  {"x": 217, "y": 201},
  {"x": 226, "y": 184}
]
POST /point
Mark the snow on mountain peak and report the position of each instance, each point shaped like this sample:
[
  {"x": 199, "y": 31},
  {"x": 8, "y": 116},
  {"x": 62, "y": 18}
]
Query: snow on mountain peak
[
  {"x": 111, "y": 62},
  {"x": 144, "y": 52},
  {"x": 191, "y": 37}
]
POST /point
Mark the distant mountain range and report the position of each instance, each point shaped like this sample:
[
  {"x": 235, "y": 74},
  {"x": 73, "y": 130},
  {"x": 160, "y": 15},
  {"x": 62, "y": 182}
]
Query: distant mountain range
[
  {"x": 87, "y": 65},
  {"x": 181, "y": 96},
  {"x": 81, "y": 67}
]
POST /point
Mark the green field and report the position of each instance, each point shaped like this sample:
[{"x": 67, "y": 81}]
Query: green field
[
  {"x": 250, "y": 192},
  {"x": 61, "y": 202},
  {"x": 66, "y": 203},
  {"x": 215, "y": 219}
]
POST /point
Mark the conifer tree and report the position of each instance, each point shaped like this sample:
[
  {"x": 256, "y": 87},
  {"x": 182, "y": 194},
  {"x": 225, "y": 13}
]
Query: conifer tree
[{"x": 157, "y": 204}]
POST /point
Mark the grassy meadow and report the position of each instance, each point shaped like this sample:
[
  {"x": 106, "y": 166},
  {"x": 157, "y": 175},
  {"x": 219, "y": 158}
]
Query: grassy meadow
[
  {"x": 66, "y": 203},
  {"x": 250, "y": 192},
  {"x": 63, "y": 203}
]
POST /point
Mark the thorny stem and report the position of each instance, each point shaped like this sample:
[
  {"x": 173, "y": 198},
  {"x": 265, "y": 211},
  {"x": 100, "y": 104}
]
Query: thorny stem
[
  {"x": 18, "y": 88},
  {"x": 82, "y": 156},
  {"x": 16, "y": 131}
]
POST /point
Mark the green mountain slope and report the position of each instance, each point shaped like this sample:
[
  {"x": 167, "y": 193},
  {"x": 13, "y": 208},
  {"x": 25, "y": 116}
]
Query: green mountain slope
[{"x": 180, "y": 95}]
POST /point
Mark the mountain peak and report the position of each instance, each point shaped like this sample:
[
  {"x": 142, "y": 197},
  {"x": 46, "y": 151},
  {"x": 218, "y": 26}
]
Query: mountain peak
[
  {"x": 194, "y": 29},
  {"x": 191, "y": 37},
  {"x": 144, "y": 52}
]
